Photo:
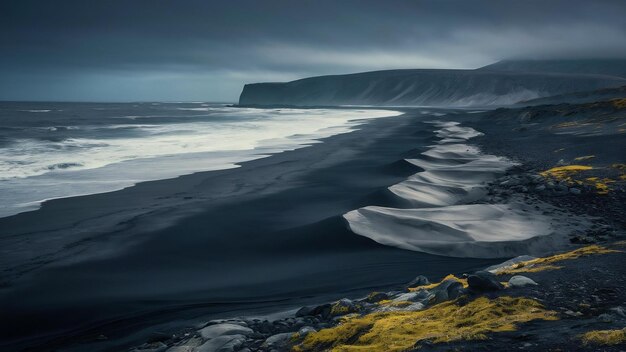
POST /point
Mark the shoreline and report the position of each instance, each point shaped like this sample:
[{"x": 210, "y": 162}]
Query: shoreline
[
  {"x": 527, "y": 299},
  {"x": 292, "y": 201}
]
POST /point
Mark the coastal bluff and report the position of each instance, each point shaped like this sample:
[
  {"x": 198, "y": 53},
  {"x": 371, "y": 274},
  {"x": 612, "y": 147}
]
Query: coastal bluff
[{"x": 491, "y": 85}]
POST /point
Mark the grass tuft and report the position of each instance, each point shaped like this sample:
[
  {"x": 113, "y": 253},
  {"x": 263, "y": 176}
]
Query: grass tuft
[
  {"x": 604, "y": 337},
  {"x": 547, "y": 263},
  {"x": 444, "y": 322}
]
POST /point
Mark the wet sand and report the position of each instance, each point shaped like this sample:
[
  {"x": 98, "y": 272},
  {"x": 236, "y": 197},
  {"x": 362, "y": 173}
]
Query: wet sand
[{"x": 267, "y": 235}]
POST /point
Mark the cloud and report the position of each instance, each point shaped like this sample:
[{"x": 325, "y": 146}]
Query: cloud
[{"x": 78, "y": 50}]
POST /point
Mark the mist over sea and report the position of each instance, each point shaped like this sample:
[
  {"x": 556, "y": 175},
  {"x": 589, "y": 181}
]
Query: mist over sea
[{"x": 57, "y": 150}]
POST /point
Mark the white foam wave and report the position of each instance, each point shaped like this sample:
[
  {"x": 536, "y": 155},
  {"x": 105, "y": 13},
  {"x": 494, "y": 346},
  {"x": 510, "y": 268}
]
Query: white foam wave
[{"x": 185, "y": 147}]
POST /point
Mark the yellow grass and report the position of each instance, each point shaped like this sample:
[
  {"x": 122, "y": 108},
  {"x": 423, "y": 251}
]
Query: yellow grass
[
  {"x": 564, "y": 172},
  {"x": 444, "y": 322},
  {"x": 619, "y": 103},
  {"x": 433, "y": 285},
  {"x": 604, "y": 337},
  {"x": 547, "y": 263}
]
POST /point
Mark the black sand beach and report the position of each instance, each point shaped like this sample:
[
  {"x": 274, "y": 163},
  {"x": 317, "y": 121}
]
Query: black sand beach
[{"x": 260, "y": 238}]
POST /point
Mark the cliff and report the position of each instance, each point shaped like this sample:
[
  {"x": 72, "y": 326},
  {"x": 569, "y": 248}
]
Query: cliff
[{"x": 423, "y": 87}]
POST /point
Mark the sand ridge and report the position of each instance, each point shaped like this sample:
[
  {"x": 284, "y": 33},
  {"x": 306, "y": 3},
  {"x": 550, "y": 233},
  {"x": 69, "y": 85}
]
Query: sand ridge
[{"x": 442, "y": 219}]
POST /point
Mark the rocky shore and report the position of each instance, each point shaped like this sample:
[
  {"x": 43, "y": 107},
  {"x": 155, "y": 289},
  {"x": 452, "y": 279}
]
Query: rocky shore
[
  {"x": 570, "y": 300},
  {"x": 519, "y": 303}
]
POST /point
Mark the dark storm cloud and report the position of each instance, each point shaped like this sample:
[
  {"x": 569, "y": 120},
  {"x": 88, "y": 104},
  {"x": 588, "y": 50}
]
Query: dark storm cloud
[{"x": 173, "y": 50}]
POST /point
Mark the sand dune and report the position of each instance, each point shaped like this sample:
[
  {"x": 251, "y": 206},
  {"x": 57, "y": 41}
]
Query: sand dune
[
  {"x": 455, "y": 173},
  {"x": 476, "y": 230},
  {"x": 442, "y": 222}
]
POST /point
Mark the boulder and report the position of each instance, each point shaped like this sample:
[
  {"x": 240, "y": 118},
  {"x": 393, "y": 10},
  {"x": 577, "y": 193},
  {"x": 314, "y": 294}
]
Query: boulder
[
  {"x": 418, "y": 281},
  {"x": 521, "y": 281},
  {"x": 306, "y": 330},
  {"x": 213, "y": 331},
  {"x": 342, "y": 307},
  {"x": 447, "y": 290},
  {"x": 509, "y": 263},
  {"x": 482, "y": 281},
  {"x": 574, "y": 190},
  {"x": 322, "y": 310},
  {"x": 226, "y": 343},
  {"x": 376, "y": 297},
  {"x": 278, "y": 341}
]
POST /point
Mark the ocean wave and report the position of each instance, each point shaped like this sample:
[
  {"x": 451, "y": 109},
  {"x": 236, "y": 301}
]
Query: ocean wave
[{"x": 90, "y": 156}]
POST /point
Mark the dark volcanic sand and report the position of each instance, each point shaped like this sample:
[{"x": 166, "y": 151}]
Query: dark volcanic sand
[{"x": 263, "y": 236}]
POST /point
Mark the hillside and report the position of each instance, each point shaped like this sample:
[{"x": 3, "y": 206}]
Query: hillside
[
  {"x": 579, "y": 97},
  {"x": 608, "y": 67},
  {"x": 422, "y": 87}
]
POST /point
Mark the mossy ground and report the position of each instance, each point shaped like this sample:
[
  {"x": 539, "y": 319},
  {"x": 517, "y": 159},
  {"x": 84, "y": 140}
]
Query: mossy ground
[
  {"x": 548, "y": 263},
  {"x": 604, "y": 337},
  {"x": 582, "y": 174},
  {"x": 445, "y": 322},
  {"x": 433, "y": 285},
  {"x": 564, "y": 172}
]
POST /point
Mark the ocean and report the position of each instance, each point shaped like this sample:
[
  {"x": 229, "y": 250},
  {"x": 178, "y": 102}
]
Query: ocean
[{"x": 58, "y": 150}]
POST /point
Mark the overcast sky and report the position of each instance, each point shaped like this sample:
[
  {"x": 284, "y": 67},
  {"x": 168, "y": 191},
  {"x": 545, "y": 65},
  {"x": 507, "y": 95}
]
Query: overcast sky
[{"x": 183, "y": 50}]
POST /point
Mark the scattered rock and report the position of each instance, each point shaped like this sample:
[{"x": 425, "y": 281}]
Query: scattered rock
[
  {"x": 376, "y": 297},
  {"x": 342, "y": 307},
  {"x": 509, "y": 263},
  {"x": 483, "y": 281},
  {"x": 574, "y": 190},
  {"x": 213, "y": 331},
  {"x": 306, "y": 330},
  {"x": 226, "y": 343},
  {"x": 277, "y": 341},
  {"x": 188, "y": 346},
  {"x": 418, "y": 281},
  {"x": 447, "y": 290}
]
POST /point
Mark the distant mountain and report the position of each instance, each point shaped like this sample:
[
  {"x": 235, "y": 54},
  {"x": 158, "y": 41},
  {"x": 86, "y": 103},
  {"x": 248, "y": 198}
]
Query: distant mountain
[
  {"x": 498, "y": 84},
  {"x": 579, "y": 97},
  {"x": 609, "y": 67}
]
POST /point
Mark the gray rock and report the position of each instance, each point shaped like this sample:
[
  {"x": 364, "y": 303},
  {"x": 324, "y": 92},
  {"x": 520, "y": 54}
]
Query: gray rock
[
  {"x": 151, "y": 347},
  {"x": 187, "y": 346},
  {"x": 482, "y": 281},
  {"x": 213, "y": 331},
  {"x": 390, "y": 308},
  {"x": 376, "y": 297},
  {"x": 306, "y": 330},
  {"x": 521, "y": 281},
  {"x": 342, "y": 307},
  {"x": 509, "y": 263},
  {"x": 226, "y": 343},
  {"x": 574, "y": 190},
  {"x": 278, "y": 340},
  {"x": 619, "y": 310},
  {"x": 418, "y": 281},
  {"x": 321, "y": 310},
  {"x": 409, "y": 296},
  {"x": 448, "y": 289},
  {"x": 304, "y": 311}
]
